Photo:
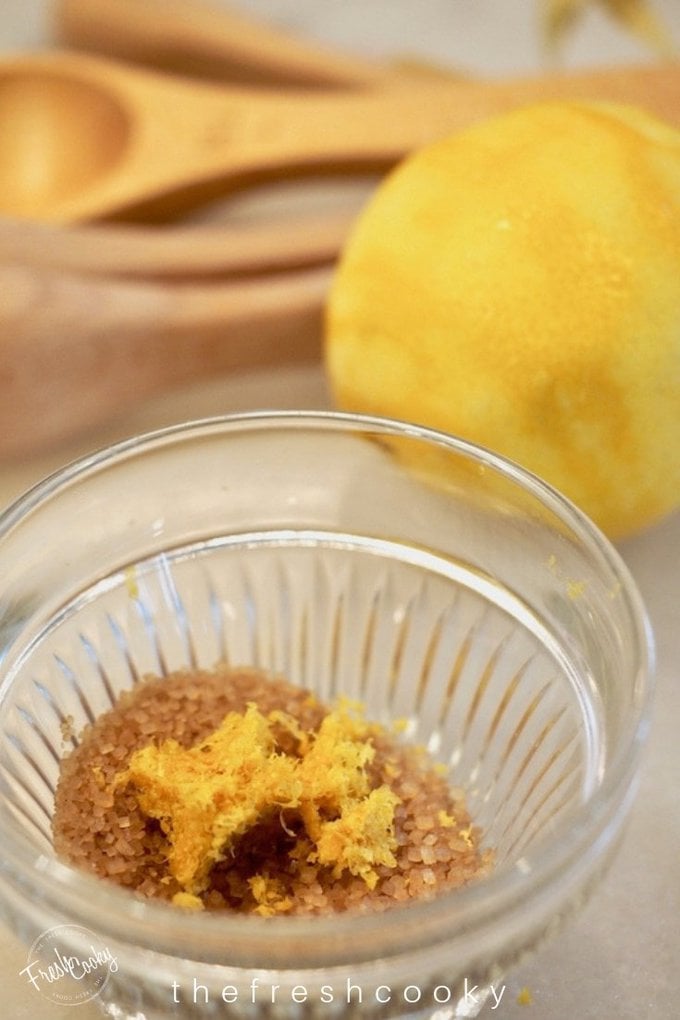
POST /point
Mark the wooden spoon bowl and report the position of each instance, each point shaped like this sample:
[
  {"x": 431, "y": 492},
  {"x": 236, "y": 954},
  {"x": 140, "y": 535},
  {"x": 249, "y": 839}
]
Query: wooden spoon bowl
[{"x": 45, "y": 122}]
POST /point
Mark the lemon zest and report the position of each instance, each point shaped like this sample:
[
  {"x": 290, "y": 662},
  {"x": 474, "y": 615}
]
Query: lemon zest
[{"x": 207, "y": 796}]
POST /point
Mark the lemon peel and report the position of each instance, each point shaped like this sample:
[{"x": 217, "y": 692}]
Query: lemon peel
[{"x": 518, "y": 284}]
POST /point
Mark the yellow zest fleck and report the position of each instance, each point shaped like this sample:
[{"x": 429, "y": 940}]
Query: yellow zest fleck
[
  {"x": 525, "y": 997},
  {"x": 466, "y": 836},
  {"x": 187, "y": 901},
  {"x": 131, "y": 583},
  {"x": 445, "y": 819},
  {"x": 269, "y": 895},
  {"x": 399, "y": 725},
  {"x": 576, "y": 589}
]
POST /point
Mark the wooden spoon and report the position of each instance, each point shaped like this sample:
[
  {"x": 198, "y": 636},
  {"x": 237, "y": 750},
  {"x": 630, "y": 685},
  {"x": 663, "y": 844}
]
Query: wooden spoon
[
  {"x": 76, "y": 351},
  {"x": 204, "y": 41},
  {"x": 178, "y": 253},
  {"x": 84, "y": 138}
]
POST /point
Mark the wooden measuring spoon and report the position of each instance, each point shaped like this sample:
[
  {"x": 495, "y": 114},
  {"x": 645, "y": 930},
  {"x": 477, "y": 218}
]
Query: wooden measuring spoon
[
  {"x": 204, "y": 41},
  {"x": 77, "y": 351},
  {"x": 84, "y": 138},
  {"x": 209, "y": 42},
  {"x": 180, "y": 253}
]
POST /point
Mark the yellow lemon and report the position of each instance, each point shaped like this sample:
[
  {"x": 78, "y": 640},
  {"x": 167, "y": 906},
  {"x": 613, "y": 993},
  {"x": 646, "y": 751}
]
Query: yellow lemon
[{"x": 518, "y": 284}]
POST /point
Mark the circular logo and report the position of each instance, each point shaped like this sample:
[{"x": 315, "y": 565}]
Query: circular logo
[{"x": 69, "y": 964}]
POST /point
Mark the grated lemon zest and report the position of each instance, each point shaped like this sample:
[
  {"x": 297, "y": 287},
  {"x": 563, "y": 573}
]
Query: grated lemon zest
[{"x": 207, "y": 796}]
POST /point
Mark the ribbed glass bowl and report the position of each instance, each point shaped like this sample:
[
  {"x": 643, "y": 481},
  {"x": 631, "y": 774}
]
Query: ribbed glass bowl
[{"x": 432, "y": 580}]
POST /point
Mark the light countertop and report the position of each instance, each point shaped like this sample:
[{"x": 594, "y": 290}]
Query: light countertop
[{"x": 619, "y": 957}]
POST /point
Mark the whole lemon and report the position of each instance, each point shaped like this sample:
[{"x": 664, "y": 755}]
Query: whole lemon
[{"x": 518, "y": 284}]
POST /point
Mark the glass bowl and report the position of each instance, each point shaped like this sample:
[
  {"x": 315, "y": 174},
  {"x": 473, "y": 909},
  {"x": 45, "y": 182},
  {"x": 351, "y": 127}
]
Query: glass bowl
[{"x": 434, "y": 581}]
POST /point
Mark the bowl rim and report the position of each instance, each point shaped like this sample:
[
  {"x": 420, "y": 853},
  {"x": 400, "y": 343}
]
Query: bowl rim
[{"x": 113, "y": 910}]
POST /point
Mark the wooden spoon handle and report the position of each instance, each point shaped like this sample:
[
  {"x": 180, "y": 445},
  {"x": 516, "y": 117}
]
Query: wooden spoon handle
[
  {"x": 221, "y": 139},
  {"x": 654, "y": 87},
  {"x": 179, "y": 253},
  {"x": 77, "y": 351},
  {"x": 192, "y": 38},
  {"x": 385, "y": 125}
]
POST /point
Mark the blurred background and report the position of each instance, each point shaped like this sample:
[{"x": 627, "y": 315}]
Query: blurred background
[
  {"x": 480, "y": 38},
  {"x": 620, "y": 958},
  {"x": 484, "y": 36}
]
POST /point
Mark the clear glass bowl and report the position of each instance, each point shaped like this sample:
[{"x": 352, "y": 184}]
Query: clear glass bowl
[{"x": 432, "y": 580}]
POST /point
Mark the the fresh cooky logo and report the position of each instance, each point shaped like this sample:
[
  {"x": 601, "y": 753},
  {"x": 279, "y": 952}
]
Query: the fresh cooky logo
[{"x": 66, "y": 975}]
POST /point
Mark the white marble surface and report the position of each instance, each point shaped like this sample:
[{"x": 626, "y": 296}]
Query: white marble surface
[{"x": 619, "y": 958}]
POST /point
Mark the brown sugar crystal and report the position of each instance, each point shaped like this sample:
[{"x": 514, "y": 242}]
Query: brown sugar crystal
[{"x": 233, "y": 789}]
